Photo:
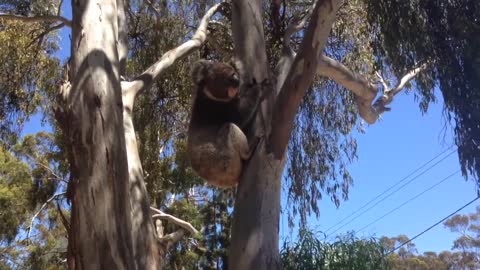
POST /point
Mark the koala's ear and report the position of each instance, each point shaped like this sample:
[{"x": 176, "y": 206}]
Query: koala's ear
[{"x": 200, "y": 70}]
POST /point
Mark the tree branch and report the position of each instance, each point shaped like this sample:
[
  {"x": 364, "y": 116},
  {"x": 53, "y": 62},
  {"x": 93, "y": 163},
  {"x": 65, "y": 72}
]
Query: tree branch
[
  {"x": 185, "y": 225},
  {"x": 288, "y": 55},
  {"x": 381, "y": 103},
  {"x": 33, "y": 19},
  {"x": 41, "y": 209},
  {"x": 364, "y": 90},
  {"x": 145, "y": 80},
  {"x": 168, "y": 240},
  {"x": 408, "y": 77},
  {"x": 65, "y": 222},
  {"x": 296, "y": 26},
  {"x": 301, "y": 74}
]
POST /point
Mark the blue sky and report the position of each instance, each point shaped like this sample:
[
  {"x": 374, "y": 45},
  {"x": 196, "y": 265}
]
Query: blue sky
[{"x": 390, "y": 150}]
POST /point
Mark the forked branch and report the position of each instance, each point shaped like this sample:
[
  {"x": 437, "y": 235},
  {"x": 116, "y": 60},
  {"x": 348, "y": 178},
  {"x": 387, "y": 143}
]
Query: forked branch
[
  {"x": 181, "y": 223},
  {"x": 146, "y": 79},
  {"x": 170, "y": 239},
  {"x": 33, "y": 19},
  {"x": 288, "y": 54},
  {"x": 301, "y": 73},
  {"x": 381, "y": 103},
  {"x": 29, "y": 229},
  {"x": 363, "y": 89}
]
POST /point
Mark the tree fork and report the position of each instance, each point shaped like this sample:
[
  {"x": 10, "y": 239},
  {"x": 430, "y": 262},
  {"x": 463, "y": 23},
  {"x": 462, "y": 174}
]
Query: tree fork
[{"x": 254, "y": 243}]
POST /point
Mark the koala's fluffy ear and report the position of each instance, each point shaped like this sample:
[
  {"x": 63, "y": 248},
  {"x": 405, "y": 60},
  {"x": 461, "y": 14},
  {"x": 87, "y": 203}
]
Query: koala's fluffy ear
[{"x": 200, "y": 70}]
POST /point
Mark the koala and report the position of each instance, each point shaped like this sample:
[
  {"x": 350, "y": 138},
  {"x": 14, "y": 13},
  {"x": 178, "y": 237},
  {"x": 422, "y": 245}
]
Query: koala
[{"x": 222, "y": 109}]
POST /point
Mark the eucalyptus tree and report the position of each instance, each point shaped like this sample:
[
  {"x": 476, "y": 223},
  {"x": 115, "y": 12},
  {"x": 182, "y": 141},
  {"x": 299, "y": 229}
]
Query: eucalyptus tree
[{"x": 377, "y": 41}]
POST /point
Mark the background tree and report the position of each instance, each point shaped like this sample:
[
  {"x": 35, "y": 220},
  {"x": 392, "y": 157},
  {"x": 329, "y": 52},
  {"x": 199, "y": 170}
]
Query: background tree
[
  {"x": 345, "y": 252},
  {"x": 468, "y": 243}
]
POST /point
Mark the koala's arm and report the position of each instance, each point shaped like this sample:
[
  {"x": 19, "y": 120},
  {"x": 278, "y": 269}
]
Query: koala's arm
[{"x": 250, "y": 98}]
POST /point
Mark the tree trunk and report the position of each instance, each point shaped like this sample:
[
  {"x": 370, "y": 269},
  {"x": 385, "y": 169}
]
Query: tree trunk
[
  {"x": 254, "y": 243},
  {"x": 100, "y": 235},
  {"x": 255, "y": 227}
]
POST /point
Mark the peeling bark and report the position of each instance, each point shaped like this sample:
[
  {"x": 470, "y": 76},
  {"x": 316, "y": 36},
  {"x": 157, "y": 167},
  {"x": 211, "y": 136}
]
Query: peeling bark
[{"x": 100, "y": 235}]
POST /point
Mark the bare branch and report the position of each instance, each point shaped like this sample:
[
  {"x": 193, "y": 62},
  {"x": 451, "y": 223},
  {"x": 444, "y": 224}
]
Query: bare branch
[
  {"x": 170, "y": 239},
  {"x": 41, "y": 209},
  {"x": 286, "y": 61},
  {"x": 297, "y": 25},
  {"x": 33, "y": 19},
  {"x": 46, "y": 167},
  {"x": 364, "y": 90},
  {"x": 336, "y": 71},
  {"x": 154, "y": 9},
  {"x": 408, "y": 77},
  {"x": 381, "y": 103},
  {"x": 382, "y": 81},
  {"x": 301, "y": 74},
  {"x": 185, "y": 225},
  {"x": 145, "y": 80},
  {"x": 59, "y": 11},
  {"x": 65, "y": 222}
]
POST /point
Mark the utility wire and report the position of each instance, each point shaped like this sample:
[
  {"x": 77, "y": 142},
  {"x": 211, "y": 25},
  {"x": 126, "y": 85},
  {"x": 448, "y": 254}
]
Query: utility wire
[
  {"x": 388, "y": 195},
  {"x": 431, "y": 227},
  {"x": 391, "y": 187},
  {"x": 409, "y": 200}
]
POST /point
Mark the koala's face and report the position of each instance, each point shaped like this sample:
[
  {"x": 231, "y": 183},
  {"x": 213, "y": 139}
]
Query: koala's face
[{"x": 221, "y": 82}]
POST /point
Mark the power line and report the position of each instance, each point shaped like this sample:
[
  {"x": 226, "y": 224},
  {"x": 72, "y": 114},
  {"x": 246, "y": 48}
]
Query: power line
[
  {"x": 388, "y": 195},
  {"x": 431, "y": 227},
  {"x": 409, "y": 200},
  {"x": 391, "y": 187}
]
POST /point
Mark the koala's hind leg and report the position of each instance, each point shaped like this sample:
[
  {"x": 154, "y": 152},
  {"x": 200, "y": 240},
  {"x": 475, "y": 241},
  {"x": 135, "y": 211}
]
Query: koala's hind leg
[{"x": 234, "y": 138}]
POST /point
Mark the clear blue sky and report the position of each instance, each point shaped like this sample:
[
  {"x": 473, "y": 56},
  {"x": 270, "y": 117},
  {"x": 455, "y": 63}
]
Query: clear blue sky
[{"x": 390, "y": 150}]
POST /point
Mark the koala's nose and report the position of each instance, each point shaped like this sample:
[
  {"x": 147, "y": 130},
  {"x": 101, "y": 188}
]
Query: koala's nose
[{"x": 235, "y": 80}]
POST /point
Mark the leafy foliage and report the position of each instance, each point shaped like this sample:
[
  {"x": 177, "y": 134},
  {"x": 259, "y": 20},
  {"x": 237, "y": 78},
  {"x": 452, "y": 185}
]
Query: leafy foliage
[
  {"x": 347, "y": 252},
  {"x": 28, "y": 179},
  {"x": 321, "y": 146},
  {"x": 445, "y": 34},
  {"x": 15, "y": 194},
  {"x": 28, "y": 74},
  {"x": 407, "y": 257},
  {"x": 468, "y": 243}
]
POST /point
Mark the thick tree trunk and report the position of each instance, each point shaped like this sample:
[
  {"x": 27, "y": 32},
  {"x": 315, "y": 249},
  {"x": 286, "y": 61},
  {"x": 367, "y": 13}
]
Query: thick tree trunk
[
  {"x": 255, "y": 228},
  {"x": 254, "y": 243},
  {"x": 148, "y": 254},
  {"x": 100, "y": 235}
]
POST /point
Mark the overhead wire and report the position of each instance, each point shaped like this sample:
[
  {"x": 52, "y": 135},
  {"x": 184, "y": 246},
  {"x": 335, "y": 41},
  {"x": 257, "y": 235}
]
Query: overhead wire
[
  {"x": 391, "y": 193},
  {"x": 409, "y": 200},
  {"x": 389, "y": 188},
  {"x": 431, "y": 227}
]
